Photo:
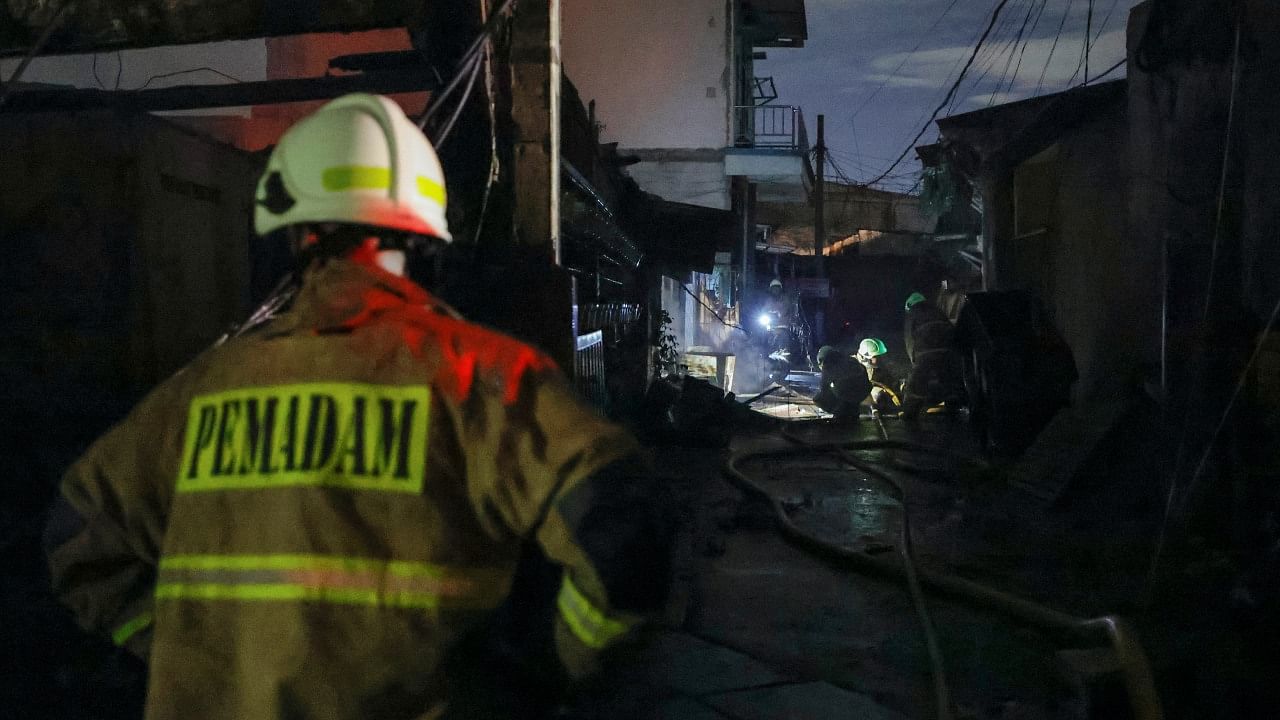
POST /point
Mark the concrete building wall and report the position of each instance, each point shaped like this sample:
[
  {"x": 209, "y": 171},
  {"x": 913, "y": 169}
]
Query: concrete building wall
[
  {"x": 1106, "y": 279},
  {"x": 1069, "y": 243},
  {"x": 696, "y": 182},
  {"x": 660, "y": 71}
]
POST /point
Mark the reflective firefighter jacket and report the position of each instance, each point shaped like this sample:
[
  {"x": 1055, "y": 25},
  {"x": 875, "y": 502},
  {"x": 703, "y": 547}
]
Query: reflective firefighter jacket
[
  {"x": 885, "y": 389},
  {"x": 305, "y": 520},
  {"x": 926, "y": 330}
]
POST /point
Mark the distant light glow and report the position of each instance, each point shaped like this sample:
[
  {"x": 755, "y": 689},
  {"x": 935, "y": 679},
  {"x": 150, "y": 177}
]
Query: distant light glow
[{"x": 765, "y": 321}]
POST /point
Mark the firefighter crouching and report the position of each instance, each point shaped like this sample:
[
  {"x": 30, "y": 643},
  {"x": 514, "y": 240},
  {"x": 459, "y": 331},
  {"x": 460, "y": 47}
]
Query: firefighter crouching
[
  {"x": 312, "y": 517},
  {"x": 936, "y": 371},
  {"x": 843, "y": 384},
  {"x": 886, "y": 389}
]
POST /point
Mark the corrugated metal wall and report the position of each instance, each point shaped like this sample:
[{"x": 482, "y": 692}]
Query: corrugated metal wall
[{"x": 127, "y": 250}]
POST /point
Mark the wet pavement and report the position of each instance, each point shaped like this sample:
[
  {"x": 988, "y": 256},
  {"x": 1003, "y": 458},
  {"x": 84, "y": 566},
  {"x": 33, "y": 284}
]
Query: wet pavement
[{"x": 759, "y": 628}]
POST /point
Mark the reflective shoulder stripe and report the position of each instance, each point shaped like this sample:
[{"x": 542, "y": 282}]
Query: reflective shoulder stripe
[
  {"x": 329, "y": 579},
  {"x": 588, "y": 623},
  {"x": 134, "y": 626}
]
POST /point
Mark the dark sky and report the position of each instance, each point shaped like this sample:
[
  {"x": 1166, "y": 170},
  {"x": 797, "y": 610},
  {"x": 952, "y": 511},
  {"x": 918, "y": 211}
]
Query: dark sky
[{"x": 859, "y": 69}]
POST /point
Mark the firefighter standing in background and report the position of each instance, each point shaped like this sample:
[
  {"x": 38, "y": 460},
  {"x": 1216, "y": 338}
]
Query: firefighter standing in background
[
  {"x": 936, "y": 375},
  {"x": 885, "y": 387},
  {"x": 312, "y": 517},
  {"x": 951, "y": 300},
  {"x": 776, "y": 320}
]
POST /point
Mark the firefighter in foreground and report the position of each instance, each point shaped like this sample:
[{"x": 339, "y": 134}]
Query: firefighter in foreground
[
  {"x": 936, "y": 375},
  {"x": 311, "y": 519},
  {"x": 886, "y": 389}
]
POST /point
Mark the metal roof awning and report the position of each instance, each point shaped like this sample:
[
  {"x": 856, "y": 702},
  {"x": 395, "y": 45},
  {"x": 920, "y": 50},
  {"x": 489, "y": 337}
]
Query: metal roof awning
[
  {"x": 118, "y": 24},
  {"x": 776, "y": 23},
  {"x": 189, "y": 97},
  {"x": 682, "y": 237},
  {"x": 1008, "y": 134},
  {"x": 590, "y": 228}
]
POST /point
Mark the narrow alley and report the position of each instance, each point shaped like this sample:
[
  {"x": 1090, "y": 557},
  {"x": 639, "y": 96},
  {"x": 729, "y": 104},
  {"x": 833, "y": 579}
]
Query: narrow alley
[{"x": 664, "y": 360}]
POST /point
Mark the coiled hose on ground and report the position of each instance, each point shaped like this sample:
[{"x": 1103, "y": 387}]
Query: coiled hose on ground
[{"x": 1110, "y": 630}]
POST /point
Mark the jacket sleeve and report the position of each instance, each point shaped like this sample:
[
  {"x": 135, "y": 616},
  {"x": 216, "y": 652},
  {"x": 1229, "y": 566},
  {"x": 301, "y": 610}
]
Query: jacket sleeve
[
  {"x": 581, "y": 488},
  {"x": 105, "y": 531}
]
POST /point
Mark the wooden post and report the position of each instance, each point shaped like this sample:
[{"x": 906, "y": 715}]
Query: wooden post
[{"x": 535, "y": 111}]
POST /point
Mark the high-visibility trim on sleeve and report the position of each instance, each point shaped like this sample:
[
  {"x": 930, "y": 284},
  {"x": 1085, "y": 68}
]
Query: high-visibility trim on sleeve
[
  {"x": 587, "y": 622},
  {"x": 134, "y": 626}
]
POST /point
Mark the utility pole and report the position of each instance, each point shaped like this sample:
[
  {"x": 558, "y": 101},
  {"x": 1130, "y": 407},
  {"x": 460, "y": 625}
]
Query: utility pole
[
  {"x": 819, "y": 198},
  {"x": 533, "y": 297},
  {"x": 535, "y": 113}
]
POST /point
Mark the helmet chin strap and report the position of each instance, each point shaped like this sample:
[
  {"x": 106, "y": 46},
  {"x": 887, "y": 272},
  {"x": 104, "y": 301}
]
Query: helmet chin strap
[
  {"x": 359, "y": 244},
  {"x": 393, "y": 261}
]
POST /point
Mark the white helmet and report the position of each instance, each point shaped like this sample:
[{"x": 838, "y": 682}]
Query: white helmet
[
  {"x": 775, "y": 283},
  {"x": 356, "y": 160},
  {"x": 871, "y": 348}
]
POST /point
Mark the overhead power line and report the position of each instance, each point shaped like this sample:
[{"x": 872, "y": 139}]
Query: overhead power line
[
  {"x": 994, "y": 50},
  {"x": 175, "y": 73},
  {"x": 1088, "y": 31},
  {"x": 1018, "y": 68},
  {"x": 1024, "y": 37},
  {"x": 1061, "y": 23},
  {"x": 1031, "y": 8},
  {"x": 898, "y": 69},
  {"x": 995, "y": 15}
]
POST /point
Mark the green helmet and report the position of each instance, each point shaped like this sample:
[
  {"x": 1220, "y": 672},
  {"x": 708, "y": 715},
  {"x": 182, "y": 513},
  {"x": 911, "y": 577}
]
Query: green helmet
[
  {"x": 914, "y": 299},
  {"x": 871, "y": 347}
]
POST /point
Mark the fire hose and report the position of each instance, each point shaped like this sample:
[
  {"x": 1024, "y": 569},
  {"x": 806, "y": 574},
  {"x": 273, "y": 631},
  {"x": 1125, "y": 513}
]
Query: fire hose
[{"x": 1110, "y": 630}]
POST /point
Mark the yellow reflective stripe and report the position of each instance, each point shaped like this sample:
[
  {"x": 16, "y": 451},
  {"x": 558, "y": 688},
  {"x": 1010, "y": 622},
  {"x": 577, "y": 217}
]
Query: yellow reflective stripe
[
  {"x": 430, "y": 189},
  {"x": 588, "y": 623},
  {"x": 369, "y": 581},
  {"x": 355, "y": 177},
  {"x": 287, "y": 592},
  {"x": 364, "y": 177},
  {"x": 131, "y": 628},
  {"x": 298, "y": 562}
]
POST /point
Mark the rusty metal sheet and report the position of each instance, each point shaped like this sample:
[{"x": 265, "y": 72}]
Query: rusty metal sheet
[{"x": 97, "y": 25}]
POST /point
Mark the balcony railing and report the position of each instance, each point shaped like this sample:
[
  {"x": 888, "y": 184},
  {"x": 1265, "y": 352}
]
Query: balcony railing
[{"x": 773, "y": 127}]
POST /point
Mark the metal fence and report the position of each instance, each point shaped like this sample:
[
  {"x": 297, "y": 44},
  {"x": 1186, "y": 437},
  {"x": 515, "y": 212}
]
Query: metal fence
[
  {"x": 588, "y": 368},
  {"x": 778, "y": 127}
]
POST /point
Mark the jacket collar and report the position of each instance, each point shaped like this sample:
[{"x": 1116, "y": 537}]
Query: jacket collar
[{"x": 338, "y": 293}]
